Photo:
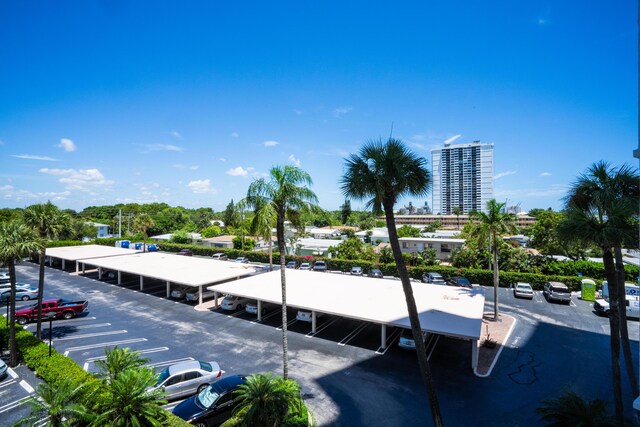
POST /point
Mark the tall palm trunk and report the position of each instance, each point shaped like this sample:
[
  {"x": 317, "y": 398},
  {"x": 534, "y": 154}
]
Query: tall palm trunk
[
  {"x": 614, "y": 324},
  {"x": 42, "y": 256},
  {"x": 283, "y": 281},
  {"x": 270, "y": 253},
  {"x": 496, "y": 278},
  {"x": 423, "y": 361},
  {"x": 144, "y": 240},
  {"x": 624, "y": 331},
  {"x": 13, "y": 350}
]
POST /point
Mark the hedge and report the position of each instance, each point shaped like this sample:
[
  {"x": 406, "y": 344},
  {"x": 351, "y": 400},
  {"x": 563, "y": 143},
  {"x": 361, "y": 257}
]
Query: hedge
[{"x": 35, "y": 354}]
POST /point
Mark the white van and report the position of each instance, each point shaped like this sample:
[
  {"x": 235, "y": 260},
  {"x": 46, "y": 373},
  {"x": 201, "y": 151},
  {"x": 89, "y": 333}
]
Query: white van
[
  {"x": 601, "y": 306},
  {"x": 629, "y": 288}
]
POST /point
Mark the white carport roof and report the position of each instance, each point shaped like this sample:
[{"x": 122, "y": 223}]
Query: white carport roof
[
  {"x": 184, "y": 270},
  {"x": 442, "y": 309},
  {"x": 74, "y": 253}
]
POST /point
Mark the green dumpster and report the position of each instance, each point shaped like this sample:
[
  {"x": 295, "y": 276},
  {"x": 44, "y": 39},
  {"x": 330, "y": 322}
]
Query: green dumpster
[{"x": 588, "y": 290}]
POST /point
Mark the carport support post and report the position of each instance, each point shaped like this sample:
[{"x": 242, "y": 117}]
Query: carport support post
[
  {"x": 119, "y": 277},
  {"x": 474, "y": 354},
  {"x": 383, "y": 336},
  {"x": 259, "y": 310},
  {"x": 77, "y": 266},
  {"x": 141, "y": 283},
  {"x": 200, "y": 294},
  {"x": 99, "y": 273},
  {"x": 83, "y": 267},
  {"x": 313, "y": 321},
  {"x": 168, "y": 289},
  {"x": 63, "y": 263},
  {"x": 215, "y": 299}
]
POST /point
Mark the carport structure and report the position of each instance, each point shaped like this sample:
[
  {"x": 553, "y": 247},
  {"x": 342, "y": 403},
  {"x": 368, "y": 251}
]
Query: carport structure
[
  {"x": 170, "y": 268},
  {"x": 84, "y": 252},
  {"x": 444, "y": 310}
]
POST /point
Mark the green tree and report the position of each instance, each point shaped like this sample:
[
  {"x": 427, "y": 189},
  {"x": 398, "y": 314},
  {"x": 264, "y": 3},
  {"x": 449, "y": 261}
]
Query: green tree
[
  {"x": 141, "y": 223},
  {"x": 247, "y": 244},
  {"x": 457, "y": 212},
  {"x": 181, "y": 236},
  {"x": 386, "y": 255},
  {"x": 345, "y": 211},
  {"x": 408, "y": 231},
  {"x": 49, "y": 223},
  {"x": 265, "y": 400},
  {"x": 601, "y": 206},
  {"x": 493, "y": 225},
  {"x": 287, "y": 192},
  {"x": 353, "y": 248},
  {"x": 58, "y": 404},
  {"x": 430, "y": 257},
  {"x": 117, "y": 361},
  {"x": 383, "y": 172},
  {"x": 571, "y": 410},
  {"x": 127, "y": 402},
  {"x": 16, "y": 242},
  {"x": 211, "y": 231},
  {"x": 231, "y": 216},
  {"x": 262, "y": 223}
]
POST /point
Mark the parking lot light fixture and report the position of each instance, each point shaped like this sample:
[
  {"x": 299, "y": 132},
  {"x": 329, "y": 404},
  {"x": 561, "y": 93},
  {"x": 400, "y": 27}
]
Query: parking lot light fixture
[{"x": 50, "y": 316}]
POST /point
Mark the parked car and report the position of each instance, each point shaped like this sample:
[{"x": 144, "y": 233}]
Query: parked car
[
  {"x": 291, "y": 264},
  {"x": 4, "y": 277},
  {"x": 266, "y": 307},
  {"x": 406, "y": 340},
  {"x": 180, "y": 292},
  {"x": 461, "y": 282},
  {"x": 556, "y": 291},
  {"x": 232, "y": 302},
  {"x": 59, "y": 308},
  {"x": 375, "y": 273},
  {"x": 220, "y": 256},
  {"x": 632, "y": 306},
  {"x": 22, "y": 294},
  {"x": 320, "y": 266},
  {"x": 194, "y": 294},
  {"x": 213, "y": 405},
  {"x": 19, "y": 285},
  {"x": 356, "y": 271},
  {"x": 3, "y": 369},
  {"x": 242, "y": 260},
  {"x": 185, "y": 252},
  {"x": 306, "y": 315},
  {"x": 523, "y": 290},
  {"x": 305, "y": 266},
  {"x": 187, "y": 378},
  {"x": 433, "y": 278}
]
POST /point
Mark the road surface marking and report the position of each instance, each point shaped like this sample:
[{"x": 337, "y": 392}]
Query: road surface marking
[
  {"x": 353, "y": 334},
  {"x": 323, "y": 326},
  {"x": 106, "y": 344},
  {"x": 390, "y": 340},
  {"x": 12, "y": 373},
  {"x": 25, "y": 385},
  {"x": 99, "y": 334},
  {"x": 14, "y": 404},
  {"x": 170, "y": 362}
]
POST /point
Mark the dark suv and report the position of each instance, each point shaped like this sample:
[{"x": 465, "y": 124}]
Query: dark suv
[
  {"x": 213, "y": 405},
  {"x": 461, "y": 282}
]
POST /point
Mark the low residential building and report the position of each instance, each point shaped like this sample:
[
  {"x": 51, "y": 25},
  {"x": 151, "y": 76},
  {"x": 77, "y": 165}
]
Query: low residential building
[
  {"x": 443, "y": 246},
  {"x": 375, "y": 235},
  {"x": 453, "y": 221},
  {"x": 224, "y": 242},
  {"x": 102, "y": 229},
  {"x": 314, "y": 247}
]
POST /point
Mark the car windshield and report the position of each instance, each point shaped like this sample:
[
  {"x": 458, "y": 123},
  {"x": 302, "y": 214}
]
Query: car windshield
[
  {"x": 206, "y": 366},
  {"x": 463, "y": 281},
  {"x": 163, "y": 376},
  {"x": 207, "y": 397},
  {"x": 560, "y": 290},
  {"x": 524, "y": 287}
]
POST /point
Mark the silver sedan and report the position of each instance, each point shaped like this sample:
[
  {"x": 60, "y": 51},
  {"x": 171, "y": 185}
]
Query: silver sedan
[{"x": 187, "y": 378}]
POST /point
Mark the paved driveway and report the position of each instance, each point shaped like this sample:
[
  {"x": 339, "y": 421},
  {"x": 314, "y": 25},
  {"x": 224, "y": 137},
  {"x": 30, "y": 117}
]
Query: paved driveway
[{"x": 345, "y": 381}]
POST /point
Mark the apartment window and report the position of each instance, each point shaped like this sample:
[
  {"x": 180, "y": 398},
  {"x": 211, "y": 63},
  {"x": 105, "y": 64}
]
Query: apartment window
[
  {"x": 405, "y": 245},
  {"x": 445, "y": 248}
]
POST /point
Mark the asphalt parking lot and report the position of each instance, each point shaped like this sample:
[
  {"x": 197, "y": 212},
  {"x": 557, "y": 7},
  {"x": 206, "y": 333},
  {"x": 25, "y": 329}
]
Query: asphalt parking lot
[{"x": 346, "y": 379}]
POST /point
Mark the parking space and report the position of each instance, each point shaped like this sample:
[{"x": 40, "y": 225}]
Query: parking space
[{"x": 16, "y": 388}]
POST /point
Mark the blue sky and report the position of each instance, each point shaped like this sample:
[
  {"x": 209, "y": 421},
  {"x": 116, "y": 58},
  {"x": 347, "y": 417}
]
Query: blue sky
[{"x": 185, "y": 103}]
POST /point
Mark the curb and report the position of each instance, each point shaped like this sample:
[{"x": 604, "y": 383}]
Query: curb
[{"x": 495, "y": 359}]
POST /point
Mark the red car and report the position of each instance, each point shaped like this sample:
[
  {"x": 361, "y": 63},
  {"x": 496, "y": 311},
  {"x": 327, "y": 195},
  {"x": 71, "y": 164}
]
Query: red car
[{"x": 58, "y": 308}]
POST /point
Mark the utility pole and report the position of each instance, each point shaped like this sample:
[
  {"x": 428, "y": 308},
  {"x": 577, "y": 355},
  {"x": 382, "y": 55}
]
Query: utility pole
[{"x": 119, "y": 223}]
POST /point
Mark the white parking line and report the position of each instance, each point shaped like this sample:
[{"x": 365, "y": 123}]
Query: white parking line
[
  {"x": 96, "y": 325},
  {"x": 12, "y": 373},
  {"x": 151, "y": 350},
  {"x": 14, "y": 404},
  {"x": 25, "y": 385},
  {"x": 170, "y": 362},
  {"x": 99, "y": 334},
  {"x": 324, "y": 326},
  {"x": 105, "y": 344},
  {"x": 390, "y": 340},
  {"x": 353, "y": 334},
  {"x": 6, "y": 383},
  {"x": 75, "y": 319}
]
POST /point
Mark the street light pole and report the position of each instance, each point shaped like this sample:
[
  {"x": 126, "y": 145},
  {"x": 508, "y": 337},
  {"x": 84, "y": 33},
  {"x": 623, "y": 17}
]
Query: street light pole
[{"x": 50, "y": 332}]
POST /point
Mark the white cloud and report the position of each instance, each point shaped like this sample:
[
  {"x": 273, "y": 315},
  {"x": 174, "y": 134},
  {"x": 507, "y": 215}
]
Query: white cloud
[
  {"x": 160, "y": 147},
  {"x": 270, "y": 143},
  {"x": 417, "y": 145},
  {"x": 298, "y": 112},
  {"x": 6, "y": 188},
  {"x": 67, "y": 145},
  {"x": 30, "y": 157},
  {"x": 235, "y": 134},
  {"x": 552, "y": 190},
  {"x": 176, "y": 134},
  {"x": 201, "y": 186},
  {"x": 194, "y": 167},
  {"x": 293, "y": 160},
  {"x": 222, "y": 159},
  {"x": 341, "y": 111},
  {"x": 181, "y": 166},
  {"x": 238, "y": 171},
  {"x": 503, "y": 174},
  {"x": 451, "y": 139},
  {"x": 545, "y": 174},
  {"x": 79, "y": 179}
]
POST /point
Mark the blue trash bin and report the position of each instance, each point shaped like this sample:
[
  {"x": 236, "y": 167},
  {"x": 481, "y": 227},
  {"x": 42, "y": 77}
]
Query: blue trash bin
[{"x": 125, "y": 244}]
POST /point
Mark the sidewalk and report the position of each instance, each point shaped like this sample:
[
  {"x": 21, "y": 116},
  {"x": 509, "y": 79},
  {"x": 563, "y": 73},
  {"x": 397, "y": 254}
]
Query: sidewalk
[{"x": 497, "y": 331}]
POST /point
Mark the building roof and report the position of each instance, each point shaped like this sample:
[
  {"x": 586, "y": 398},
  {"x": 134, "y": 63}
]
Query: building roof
[
  {"x": 432, "y": 239},
  {"x": 444, "y": 310},
  {"x": 97, "y": 224},
  {"x": 168, "y": 236},
  {"x": 223, "y": 238},
  {"x": 319, "y": 244},
  {"x": 73, "y": 253}
]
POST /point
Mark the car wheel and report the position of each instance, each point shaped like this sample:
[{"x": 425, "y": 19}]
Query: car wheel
[
  {"x": 67, "y": 315},
  {"x": 201, "y": 425},
  {"x": 22, "y": 320},
  {"x": 239, "y": 307},
  {"x": 25, "y": 298},
  {"x": 202, "y": 387}
]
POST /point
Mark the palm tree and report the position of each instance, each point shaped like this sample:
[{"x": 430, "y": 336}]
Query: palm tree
[
  {"x": 117, "y": 361},
  {"x": 383, "y": 172},
  {"x": 493, "y": 224},
  {"x": 16, "y": 242},
  {"x": 571, "y": 410},
  {"x": 262, "y": 225},
  {"x": 58, "y": 404},
  {"x": 287, "y": 193},
  {"x": 127, "y": 402},
  {"x": 49, "y": 222},
  {"x": 141, "y": 223},
  {"x": 457, "y": 212},
  {"x": 600, "y": 208},
  {"x": 264, "y": 400}
]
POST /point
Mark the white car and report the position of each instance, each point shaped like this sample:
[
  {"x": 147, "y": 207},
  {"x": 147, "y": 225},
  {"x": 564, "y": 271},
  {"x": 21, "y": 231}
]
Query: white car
[
  {"x": 187, "y": 378},
  {"x": 179, "y": 292},
  {"x": 356, "y": 271},
  {"x": 252, "y": 307},
  {"x": 4, "y": 277},
  {"x": 523, "y": 290},
  {"x": 3, "y": 368},
  {"x": 406, "y": 340},
  {"x": 306, "y": 315},
  {"x": 305, "y": 266},
  {"x": 232, "y": 302},
  {"x": 194, "y": 294}
]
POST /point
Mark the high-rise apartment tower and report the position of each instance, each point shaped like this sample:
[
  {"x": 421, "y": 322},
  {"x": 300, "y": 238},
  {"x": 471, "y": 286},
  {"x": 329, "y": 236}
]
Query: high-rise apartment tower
[{"x": 462, "y": 177}]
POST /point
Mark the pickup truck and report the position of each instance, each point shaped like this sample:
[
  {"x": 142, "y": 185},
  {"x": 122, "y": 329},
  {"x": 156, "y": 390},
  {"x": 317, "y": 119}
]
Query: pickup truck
[{"x": 59, "y": 307}]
